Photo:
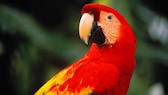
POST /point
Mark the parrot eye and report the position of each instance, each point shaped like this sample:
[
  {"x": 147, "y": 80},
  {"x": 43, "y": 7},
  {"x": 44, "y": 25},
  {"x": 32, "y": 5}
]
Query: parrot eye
[{"x": 109, "y": 17}]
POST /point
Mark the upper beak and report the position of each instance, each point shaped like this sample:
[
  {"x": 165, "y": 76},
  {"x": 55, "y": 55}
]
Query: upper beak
[{"x": 85, "y": 27}]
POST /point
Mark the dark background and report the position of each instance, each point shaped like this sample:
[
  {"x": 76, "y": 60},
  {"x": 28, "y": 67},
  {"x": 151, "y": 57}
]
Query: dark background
[{"x": 38, "y": 38}]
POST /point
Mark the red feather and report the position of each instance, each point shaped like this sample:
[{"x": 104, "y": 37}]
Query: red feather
[{"x": 104, "y": 70}]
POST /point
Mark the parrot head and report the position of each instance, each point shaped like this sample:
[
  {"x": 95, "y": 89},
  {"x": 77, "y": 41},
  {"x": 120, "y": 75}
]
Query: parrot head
[{"x": 103, "y": 25}]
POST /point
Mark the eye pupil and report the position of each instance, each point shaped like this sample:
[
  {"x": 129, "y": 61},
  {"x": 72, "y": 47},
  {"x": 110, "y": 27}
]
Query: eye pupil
[{"x": 109, "y": 17}]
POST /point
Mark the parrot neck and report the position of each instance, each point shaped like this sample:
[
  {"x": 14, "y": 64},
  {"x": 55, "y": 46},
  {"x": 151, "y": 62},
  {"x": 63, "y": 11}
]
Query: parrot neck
[{"x": 111, "y": 53}]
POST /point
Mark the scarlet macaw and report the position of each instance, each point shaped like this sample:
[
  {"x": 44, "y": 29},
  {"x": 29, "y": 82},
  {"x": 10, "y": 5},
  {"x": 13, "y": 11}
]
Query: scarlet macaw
[{"x": 108, "y": 66}]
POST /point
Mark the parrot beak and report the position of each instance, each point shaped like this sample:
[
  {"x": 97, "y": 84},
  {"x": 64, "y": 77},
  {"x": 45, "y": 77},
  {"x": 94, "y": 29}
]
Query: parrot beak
[
  {"x": 89, "y": 30},
  {"x": 85, "y": 27}
]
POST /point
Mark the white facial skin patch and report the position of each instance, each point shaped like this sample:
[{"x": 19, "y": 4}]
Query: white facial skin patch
[{"x": 110, "y": 26}]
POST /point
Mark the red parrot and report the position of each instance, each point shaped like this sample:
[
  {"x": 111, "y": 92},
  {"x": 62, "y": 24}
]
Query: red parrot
[{"x": 108, "y": 66}]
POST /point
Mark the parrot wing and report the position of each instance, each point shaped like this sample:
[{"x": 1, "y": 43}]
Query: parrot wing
[{"x": 85, "y": 77}]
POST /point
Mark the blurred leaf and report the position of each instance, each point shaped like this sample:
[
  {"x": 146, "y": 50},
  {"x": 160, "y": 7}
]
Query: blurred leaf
[{"x": 33, "y": 42}]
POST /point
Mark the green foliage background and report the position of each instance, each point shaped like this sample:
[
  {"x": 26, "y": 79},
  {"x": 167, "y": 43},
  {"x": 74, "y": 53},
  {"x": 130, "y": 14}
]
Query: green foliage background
[{"x": 39, "y": 38}]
